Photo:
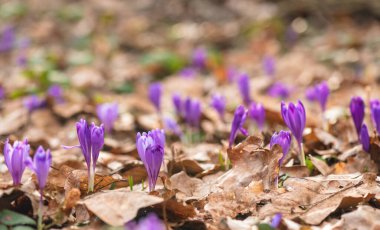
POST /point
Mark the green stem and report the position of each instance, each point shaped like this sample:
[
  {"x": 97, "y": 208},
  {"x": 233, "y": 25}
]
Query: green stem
[
  {"x": 91, "y": 179},
  {"x": 302, "y": 153},
  {"x": 40, "y": 206}
]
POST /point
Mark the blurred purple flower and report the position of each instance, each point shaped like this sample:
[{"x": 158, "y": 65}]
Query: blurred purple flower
[
  {"x": 107, "y": 114},
  {"x": 188, "y": 72},
  {"x": 291, "y": 36},
  {"x": 199, "y": 58},
  {"x": 244, "y": 88},
  {"x": 91, "y": 141},
  {"x": 172, "y": 126},
  {"x": 276, "y": 221},
  {"x": 218, "y": 102},
  {"x": 15, "y": 157},
  {"x": 192, "y": 112},
  {"x": 33, "y": 102},
  {"x": 231, "y": 74},
  {"x": 269, "y": 65},
  {"x": 55, "y": 91},
  {"x": 2, "y": 93},
  {"x": 284, "y": 139},
  {"x": 21, "y": 56},
  {"x": 40, "y": 165},
  {"x": 375, "y": 114},
  {"x": 357, "y": 112},
  {"x": 178, "y": 104},
  {"x": 294, "y": 117},
  {"x": 150, "y": 147},
  {"x": 150, "y": 222},
  {"x": 155, "y": 92},
  {"x": 237, "y": 124},
  {"x": 320, "y": 93},
  {"x": 279, "y": 90},
  {"x": 257, "y": 113},
  {"x": 8, "y": 39},
  {"x": 364, "y": 138}
]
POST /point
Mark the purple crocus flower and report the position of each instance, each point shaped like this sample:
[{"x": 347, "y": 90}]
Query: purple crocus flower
[
  {"x": 257, "y": 113},
  {"x": 33, "y": 102},
  {"x": 2, "y": 93},
  {"x": 199, "y": 58},
  {"x": 40, "y": 165},
  {"x": 150, "y": 147},
  {"x": 188, "y": 72},
  {"x": 269, "y": 65},
  {"x": 319, "y": 93},
  {"x": 357, "y": 112},
  {"x": 231, "y": 73},
  {"x": 237, "y": 124},
  {"x": 192, "y": 110},
  {"x": 55, "y": 91},
  {"x": 150, "y": 222},
  {"x": 364, "y": 138},
  {"x": 279, "y": 90},
  {"x": 276, "y": 221},
  {"x": 218, "y": 102},
  {"x": 155, "y": 92},
  {"x": 294, "y": 117},
  {"x": 172, "y": 126},
  {"x": 375, "y": 114},
  {"x": 107, "y": 114},
  {"x": 14, "y": 157},
  {"x": 8, "y": 39},
  {"x": 178, "y": 104},
  {"x": 284, "y": 139},
  {"x": 243, "y": 84},
  {"x": 91, "y": 141}
]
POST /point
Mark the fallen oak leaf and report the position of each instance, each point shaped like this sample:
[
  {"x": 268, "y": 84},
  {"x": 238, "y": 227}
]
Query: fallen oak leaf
[{"x": 116, "y": 207}]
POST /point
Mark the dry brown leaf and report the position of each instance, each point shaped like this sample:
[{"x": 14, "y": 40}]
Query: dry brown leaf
[
  {"x": 192, "y": 188},
  {"x": 116, "y": 207},
  {"x": 365, "y": 217},
  {"x": 321, "y": 166}
]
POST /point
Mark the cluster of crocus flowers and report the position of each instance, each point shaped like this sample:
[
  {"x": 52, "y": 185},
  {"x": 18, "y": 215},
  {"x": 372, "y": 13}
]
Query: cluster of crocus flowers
[
  {"x": 237, "y": 124},
  {"x": 283, "y": 139},
  {"x": 294, "y": 116},
  {"x": 357, "y": 112},
  {"x": 319, "y": 93},
  {"x": 244, "y": 88},
  {"x": 107, "y": 114},
  {"x": 40, "y": 165},
  {"x": 150, "y": 147},
  {"x": 269, "y": 65},
  {"x": 154, "y": 93},
  {"x": 256, "y": 112},
  {"x": 279, "y": 90},
  {"x": 15, "y": 157},
  {"x": 91, "y": 141},
  {"x": 218, "y": 102}
]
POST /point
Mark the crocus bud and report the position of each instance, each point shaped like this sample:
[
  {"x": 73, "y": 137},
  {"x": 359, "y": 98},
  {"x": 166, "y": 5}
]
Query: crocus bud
[
  {"x": 15, "y": 157},
  {"x": 150, "y": 147},
  {"x": 218, "y": 102},
  {"x": 276, "y": 221},
  {"x": 155, "y": 92},
  {"x": 269, "y": 65},
  {"x": 294, "y": 117},
  {"x": 375, "y": 114},
  {"x": 172, "y": 126},
  {"x": 192, "y": 109},
  {"x": 199, "y": 58},
  {"x": 279, "y": 90},
  {"x": 91, "y": 140},
  {"x": 178, "y": 104},
  {"x": 107, "y": 114},
  {"x": 56, "y": 92},
  {"x": 283, "y": 139},
  {"x": 33, "y": 102},
  {"x": 364, "y": 138},
  {"x": 357, "y": 112},
  {"x": 257, "y": 113},
  {"x": 237, "y": 124},
  {"x": 319, "y": 93},
  {"x": 244, "y": 88},
  {"x": 40, "y": 165},
  {"x": 150, "y": 222}
]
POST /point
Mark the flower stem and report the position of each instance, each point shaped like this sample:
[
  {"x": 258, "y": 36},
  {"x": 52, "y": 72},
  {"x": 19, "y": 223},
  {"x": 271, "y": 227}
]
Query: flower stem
[
  {"x": 91, "y": 179},
  {"x": 302, "y": 153},
  {"x": 40, "y": 206}
]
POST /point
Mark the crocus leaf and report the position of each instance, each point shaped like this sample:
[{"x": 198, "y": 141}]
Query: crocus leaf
[{"x": 11, "y": 218}]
